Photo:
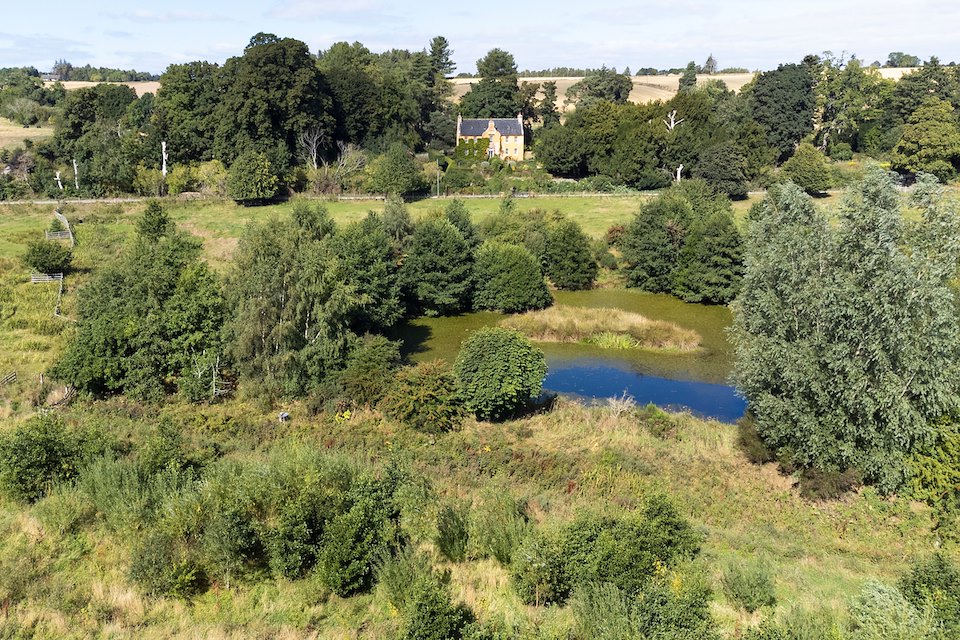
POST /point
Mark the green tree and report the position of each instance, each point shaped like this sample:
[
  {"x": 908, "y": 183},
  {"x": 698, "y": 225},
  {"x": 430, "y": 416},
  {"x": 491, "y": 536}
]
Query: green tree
[
  {"x": 688, "y": 80},
  {"x": 605, "y": 84},
  {"x": 724, "y": 167},
  {"x": 184, "y": 109},
  {"x": 548, "y": 104},
  {"x": 807, "y": 168},
  {"x": 497, "y": 95},
  {"x": 366, "y": 253},
  {"x": 508, "y": 279},
  {"x": 155, "y": 223},
  {"x": 266, "y": 98},
  {"x": 710, "y": 265},
  {"x": 395, "y": 173},
  {"x": 290, "y": 304},
  {"x": 782, "y": 102},
  {"x": 499, "y": 371},
  {"x": 567, "y": 258},
  {"x": 251, "y": 179},
  {"x": 145, "y": 318},
  {"x": 437, "y": 272},
  {"x": 930, "y": 142},
  {"x": 846, "y": 342}
]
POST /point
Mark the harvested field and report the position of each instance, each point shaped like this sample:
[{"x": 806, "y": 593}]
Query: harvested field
[{"x": 140, "y": 87}]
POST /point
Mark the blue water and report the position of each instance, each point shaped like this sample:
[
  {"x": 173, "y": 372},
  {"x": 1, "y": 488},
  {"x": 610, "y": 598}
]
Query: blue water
[{"x": 598, "y": 379}]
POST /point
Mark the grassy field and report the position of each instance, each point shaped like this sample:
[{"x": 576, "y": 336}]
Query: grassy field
[
  {"x": 13, "y": 135},
  {"x": 560, "y": 463},
  {"x": 72, "y": 568}
]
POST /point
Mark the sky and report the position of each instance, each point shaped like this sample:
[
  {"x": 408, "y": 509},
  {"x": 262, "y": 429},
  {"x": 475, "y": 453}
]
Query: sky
[{"x": 662, "y": 34}]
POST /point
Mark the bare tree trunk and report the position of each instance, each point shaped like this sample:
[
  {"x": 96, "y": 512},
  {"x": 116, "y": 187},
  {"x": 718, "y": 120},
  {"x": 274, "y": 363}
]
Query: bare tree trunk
[
  {"x": 59, "y": 183},
  {"x": 679, "y": 171},
  {"x": 310, "y": 143},
  {"x": 671, "y": 120},
  {"x": 76, "y": 177},
  {"x": 163, "y": 154}
]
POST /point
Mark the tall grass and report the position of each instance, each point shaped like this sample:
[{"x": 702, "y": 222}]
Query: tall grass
[{"x": 607, "y": 328}]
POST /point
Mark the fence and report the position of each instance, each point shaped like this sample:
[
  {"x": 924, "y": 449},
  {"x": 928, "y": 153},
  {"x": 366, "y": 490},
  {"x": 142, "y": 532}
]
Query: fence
[
  {"x": 46, "y": 277},
  {"x": 8, "y": 379},
  {"x": 62, "y": 235}
]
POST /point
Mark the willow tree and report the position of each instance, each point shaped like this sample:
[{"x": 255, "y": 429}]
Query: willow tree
[{"x": 846, "y": 337}]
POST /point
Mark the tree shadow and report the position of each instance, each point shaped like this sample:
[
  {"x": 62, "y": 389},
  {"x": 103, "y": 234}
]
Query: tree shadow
[{"x": 413, "y": 338}]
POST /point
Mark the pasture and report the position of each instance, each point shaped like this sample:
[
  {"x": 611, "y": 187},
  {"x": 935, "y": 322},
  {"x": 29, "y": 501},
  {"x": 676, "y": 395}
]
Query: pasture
[{"x": 13, "y": 134}]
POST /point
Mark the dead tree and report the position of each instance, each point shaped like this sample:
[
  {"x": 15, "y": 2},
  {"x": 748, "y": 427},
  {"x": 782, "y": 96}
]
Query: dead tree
[
  {"x": 679, "y": 171},
  {"x": 163, "y": 155},
  {"x": 311, "y": 141},
  {"x": 671, "y": 120}
]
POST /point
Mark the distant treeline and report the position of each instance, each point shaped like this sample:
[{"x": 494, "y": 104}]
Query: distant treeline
[{"x": 88, "y": 73}]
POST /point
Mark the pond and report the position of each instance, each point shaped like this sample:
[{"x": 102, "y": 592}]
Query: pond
[
  {"x": 666, "y": 379},
  {"x": 592, "y": 380}
]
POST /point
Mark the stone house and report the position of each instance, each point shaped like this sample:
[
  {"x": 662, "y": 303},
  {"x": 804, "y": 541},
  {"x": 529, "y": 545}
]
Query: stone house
[{"x": 505, "y": 135}]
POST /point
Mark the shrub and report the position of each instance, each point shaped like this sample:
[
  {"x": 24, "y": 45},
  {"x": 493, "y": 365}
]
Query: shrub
[
  {"x": 431, "y": 613},
  {"x": 397, "y": 574},
  {"x": 508, "y": 279},
  {"x": 808, "y": 169},
  {"x": 881, "y": 612},
  {"x": 828, "y": 485},
  {"x": 750, "y": 442},
  {"x": 453, "y": 532},
  {"x": 497, "y": 526},
  {"x": 677, "y": 607},
  {"x": 567, "y": 257},
  {"x": 251, "y": 179},
  {"x": 749, "y": 584},
  {"x": 841, "y": 151},
  {"x": 499, "y": 371},
  {"x": 48, "y": 256},
  {"x": 36, "y": 455},
  {"x": 614, "y": 235},
  {"x": 425, "y": 397},
  {"x": 354, "y": 540},
  {"x": 626, "y": 552},
  {"x": 934, "y": 583},
  {"x": 163, "y": 565},
  {"x": 369, "y": 369}
]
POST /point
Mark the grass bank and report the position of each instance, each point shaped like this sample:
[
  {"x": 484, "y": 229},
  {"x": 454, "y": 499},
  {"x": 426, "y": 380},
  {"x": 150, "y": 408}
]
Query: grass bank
[
  {"x": 64, "y": 567},
  {"x": 603, "y": 327}
]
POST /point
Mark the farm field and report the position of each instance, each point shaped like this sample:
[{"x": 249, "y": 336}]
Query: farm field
[
  {"x": 141, "y": 88},
  {"x": 647, "y": 88},
  {"x": 13, "y": 134}
]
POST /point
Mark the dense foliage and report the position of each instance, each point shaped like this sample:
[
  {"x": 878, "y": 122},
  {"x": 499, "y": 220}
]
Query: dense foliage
[
  {"x": 508, "y": 279},
  {"x": 846, "y": 336},
  {"x": 499, "y": 371},
  {"x": 685, "y": 242}
]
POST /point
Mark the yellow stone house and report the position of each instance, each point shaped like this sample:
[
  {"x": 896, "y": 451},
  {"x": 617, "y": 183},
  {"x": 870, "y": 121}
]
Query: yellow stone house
[{"x": 505, "y": 135}]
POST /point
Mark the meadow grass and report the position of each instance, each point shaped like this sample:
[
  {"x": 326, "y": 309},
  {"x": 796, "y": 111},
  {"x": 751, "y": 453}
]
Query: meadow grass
[
  {"x": 12, "y": 134},
  {"x": 569, "y": 460},
  {"x": 604, "y": 327}
]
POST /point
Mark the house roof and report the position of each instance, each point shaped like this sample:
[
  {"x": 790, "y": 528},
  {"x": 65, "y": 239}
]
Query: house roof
[{"x": 476, "y": 127}]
